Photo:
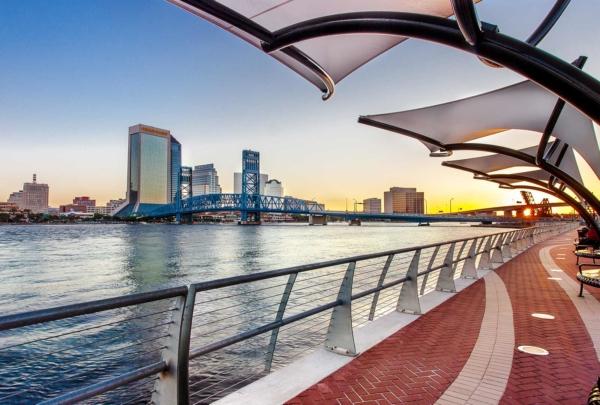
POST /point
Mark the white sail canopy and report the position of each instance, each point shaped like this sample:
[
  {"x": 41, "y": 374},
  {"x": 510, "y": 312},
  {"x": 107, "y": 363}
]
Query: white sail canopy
[
  {"x": 495, "y": 162},
  {"x": 524, "y": 106},
  {"x": 534, "y": 174},
  {"x": 337, "y": 55}
]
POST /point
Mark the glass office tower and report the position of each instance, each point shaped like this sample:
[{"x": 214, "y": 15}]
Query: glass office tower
[{"x": 153, "y": 168}]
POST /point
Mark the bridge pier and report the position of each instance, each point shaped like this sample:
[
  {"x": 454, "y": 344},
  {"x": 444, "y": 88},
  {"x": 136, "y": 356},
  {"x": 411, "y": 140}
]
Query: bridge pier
[
  {"x": 317, "y": 219},
  {"x": 185, "y": 219}
]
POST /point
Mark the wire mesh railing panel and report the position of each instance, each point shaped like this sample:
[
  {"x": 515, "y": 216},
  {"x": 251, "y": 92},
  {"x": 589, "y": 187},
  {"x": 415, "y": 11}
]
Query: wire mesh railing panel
[
  {"x": 49, "y": 359},
  {"x": 223, "y": 371},
  {"x": 300, "y": 338}
]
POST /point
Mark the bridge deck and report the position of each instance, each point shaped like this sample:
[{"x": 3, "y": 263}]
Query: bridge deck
[{"x": 465, "y": 350}]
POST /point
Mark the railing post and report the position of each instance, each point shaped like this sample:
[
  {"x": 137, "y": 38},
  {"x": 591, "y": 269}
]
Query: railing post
[
  {"x": 484, "y": 259},
  {"x": 519, "y": 241},
  {"x": 512, "y": 244},
  {"x": 446, "y": 278},
  {"x": 469, "y": 269},
  {"x": 530, "y": 237},
  {"x": 386, "y": 267},
  {"x": 285, "y": 296},
  {"x": 459, "y": 255},
  {"x": 172, "y": 386},
  {"x": 496, "y": 256},
  {"x": 408, "y": 301},
  {"x": 505, "y": 247},
  {"x": 429, "y": 266},
  {"x": 340, "y": 336}
]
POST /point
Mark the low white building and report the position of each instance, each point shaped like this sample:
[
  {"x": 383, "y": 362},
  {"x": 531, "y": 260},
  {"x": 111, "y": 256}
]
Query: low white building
[{"x": 274, "y": 187}]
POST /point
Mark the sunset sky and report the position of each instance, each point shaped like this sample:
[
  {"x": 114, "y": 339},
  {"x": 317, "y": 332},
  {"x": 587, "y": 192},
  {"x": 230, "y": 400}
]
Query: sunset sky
[{"x": 74, "y": 75}]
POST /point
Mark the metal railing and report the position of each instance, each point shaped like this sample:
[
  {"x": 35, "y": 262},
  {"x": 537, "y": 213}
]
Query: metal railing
[{"x": 197, "y": 343}]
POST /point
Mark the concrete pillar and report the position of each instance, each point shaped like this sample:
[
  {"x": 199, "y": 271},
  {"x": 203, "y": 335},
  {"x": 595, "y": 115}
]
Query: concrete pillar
[{"x": 317, "y": 219}]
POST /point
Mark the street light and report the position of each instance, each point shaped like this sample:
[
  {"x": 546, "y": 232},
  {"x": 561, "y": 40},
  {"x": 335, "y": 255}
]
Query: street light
[{"x": 451, "y": 204}]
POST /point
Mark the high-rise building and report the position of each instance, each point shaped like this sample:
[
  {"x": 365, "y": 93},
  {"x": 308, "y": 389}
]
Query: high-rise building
[
  {"x": 237, "y": 182},
  {"x": 153, "y": 168},
  {"x": 33, "y": 197},
  {"x": 274, "y": 187},
  {"x": 401, "y": 200},
  {"x": 372, "y": 205},
  {"x": 205, "y": 180}
]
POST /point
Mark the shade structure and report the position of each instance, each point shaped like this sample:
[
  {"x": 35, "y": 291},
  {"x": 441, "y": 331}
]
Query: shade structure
[
  {"x": 524, "y": 106},
  {"x": 534, "y": 175},
  {"x": 496, "y": 162},
  {"x": 322, "y": 61}
]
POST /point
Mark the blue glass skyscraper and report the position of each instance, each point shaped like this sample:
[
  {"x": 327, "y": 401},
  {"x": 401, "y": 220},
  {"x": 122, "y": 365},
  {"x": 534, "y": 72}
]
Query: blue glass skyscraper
[{"x": 153, "y": 169}]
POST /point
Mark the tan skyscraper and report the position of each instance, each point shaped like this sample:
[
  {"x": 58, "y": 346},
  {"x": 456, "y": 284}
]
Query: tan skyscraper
[
  {"x": 35, "y": 196},
  {"x": 403, "y": 200}
]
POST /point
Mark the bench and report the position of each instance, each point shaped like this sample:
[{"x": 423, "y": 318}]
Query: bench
[
  {"x": 589, "y": 277},
  {"x": 587, "y": 254}
]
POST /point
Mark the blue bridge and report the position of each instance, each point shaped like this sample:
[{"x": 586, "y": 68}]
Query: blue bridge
[{"x": 287, "y": 205}]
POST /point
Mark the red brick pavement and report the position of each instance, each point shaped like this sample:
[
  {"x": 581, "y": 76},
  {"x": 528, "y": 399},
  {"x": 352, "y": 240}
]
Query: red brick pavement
[
  {"x": 415, "y": 365},
  {"x": 568, "y": 373},
  {"x": 569, "y": 266}
]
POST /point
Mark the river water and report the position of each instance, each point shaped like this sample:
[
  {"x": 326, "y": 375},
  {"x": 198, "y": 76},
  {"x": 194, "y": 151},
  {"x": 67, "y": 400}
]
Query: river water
[{"x": 44, "y": 266}]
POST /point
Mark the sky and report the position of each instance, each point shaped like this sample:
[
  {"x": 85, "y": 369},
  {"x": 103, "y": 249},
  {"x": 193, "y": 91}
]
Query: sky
[{"x": 74, "y": 75}]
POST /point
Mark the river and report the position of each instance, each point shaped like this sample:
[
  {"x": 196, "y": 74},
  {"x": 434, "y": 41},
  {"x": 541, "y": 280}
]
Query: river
[{"x": 48, "y": 265}]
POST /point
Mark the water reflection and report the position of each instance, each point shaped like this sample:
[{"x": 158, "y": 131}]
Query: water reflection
[{"x": 44, "y": 266}]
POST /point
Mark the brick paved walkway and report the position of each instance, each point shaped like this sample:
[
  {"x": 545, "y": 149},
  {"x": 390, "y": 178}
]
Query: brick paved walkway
[
  {"x": 415, "y": 365},
  {"x": 419, "y": 363}
]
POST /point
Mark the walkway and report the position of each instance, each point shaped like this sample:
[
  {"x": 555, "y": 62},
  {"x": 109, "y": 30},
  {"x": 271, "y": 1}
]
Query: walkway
[{"x": 465, "y": 350}]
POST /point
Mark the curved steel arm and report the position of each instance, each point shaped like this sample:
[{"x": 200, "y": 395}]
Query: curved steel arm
[
  {"x": 468, "y": 22},
  {"x": 548, "y": 22},
  {"x": 559, "y": 77},
  {"x": 541, "y": 186},
  {"x": 565, "y": 178},
  {"x": 554, "y": 116},
  {"x": 577, "y": 187}
]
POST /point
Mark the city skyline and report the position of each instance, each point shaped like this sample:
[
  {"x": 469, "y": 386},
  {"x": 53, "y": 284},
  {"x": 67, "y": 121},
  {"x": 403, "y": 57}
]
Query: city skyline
[{"x": 71, "y": 133}]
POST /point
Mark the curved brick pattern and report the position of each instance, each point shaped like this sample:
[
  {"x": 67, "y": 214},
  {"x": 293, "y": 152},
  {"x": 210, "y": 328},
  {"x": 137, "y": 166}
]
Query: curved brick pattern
[
  {"x": 568, "y": 373},
  {"x": 588, "y": 307},
  {"x": 484, "y": 377},
  {"x": 415, "y": 365}
]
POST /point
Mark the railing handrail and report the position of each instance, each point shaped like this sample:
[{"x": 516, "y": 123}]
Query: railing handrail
[{"x": 28, "y": 318}]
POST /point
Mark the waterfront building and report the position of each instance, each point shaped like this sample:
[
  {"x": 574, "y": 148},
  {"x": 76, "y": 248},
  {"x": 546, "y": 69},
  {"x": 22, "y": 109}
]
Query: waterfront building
[
  {"x": 403, "y": 200},
  {"x": 205, "y": 180},
  {"x": 154, "y": 163},
  {"x": 33, "y": 197},
  {"x": 98, "y": 210},
  {"x": 80, "y": 204},
  {"x": 274, "y": 187},
  {"x": 8, "y": 207},
  {"x": 372, "y": 205},
  {"x": 16, "y": 198},
  {"x": 114, "y": 204},
  {"x": 84, "y": 201},
  {"x": 237, "y": 182},
  {"x": 72, "y": 208}
]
